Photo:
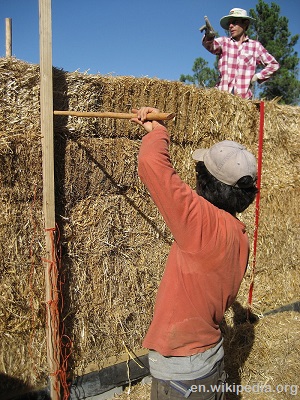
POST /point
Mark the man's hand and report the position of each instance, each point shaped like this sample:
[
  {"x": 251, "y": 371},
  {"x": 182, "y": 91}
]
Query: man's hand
[
  {"x": 142, "y": 118},
  {"x": 209, "y": 30}
]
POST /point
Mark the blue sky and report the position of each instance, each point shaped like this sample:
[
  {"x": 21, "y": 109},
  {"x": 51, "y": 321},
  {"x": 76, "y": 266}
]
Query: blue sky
[{"x": 118, "y": 37}]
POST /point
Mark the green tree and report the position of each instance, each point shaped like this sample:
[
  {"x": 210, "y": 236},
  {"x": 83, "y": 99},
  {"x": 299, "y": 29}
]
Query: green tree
[
  {"x": 272, "y": 31},
  {"x": 203, "y": 75}
]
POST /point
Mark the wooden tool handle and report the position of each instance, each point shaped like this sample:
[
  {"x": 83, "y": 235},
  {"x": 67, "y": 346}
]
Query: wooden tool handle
[{"x": 150, "y": 116}]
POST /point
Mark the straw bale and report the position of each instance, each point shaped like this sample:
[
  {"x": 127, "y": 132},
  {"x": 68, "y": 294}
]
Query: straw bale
[
  {"x": 276, "y": 279},
  {"x": 256, "y": 350},
  {"x": 20, "y": 86},
  {"x": 114, "y": 242},
  {"x": 21, "y": 167},
  {"x": 98, "y": 165},
  {"x": 281, "y": 147},
  {"x": 22, "y": 318},
  {"x": 25, "y": 361},
  {"x": 108, "y": 165},
  {"x": 117, "y": 259},
  {"x": 189, "y": 124}
]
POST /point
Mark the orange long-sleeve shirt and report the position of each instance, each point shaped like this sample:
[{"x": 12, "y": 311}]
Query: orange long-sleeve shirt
[{"x": 206, "y": 263}]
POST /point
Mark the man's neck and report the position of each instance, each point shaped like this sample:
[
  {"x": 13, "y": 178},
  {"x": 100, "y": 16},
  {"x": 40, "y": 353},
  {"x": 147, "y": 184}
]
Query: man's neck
[{"x": 240, "y": 39}]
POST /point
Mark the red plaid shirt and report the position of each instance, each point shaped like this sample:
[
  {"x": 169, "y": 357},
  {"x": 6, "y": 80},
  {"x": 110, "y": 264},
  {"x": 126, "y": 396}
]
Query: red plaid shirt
[{"x": 237, "y": 63}]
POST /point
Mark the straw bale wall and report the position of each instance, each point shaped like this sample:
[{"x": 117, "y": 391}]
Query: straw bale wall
[{"x": 113, "y": 241}]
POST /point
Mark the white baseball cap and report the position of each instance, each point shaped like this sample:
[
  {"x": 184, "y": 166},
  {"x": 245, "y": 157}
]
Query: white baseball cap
[{"x": 227, "y": 161}]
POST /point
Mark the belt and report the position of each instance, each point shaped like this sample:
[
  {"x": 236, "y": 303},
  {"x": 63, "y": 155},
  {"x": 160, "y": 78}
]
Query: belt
[
  {"x": 186, "y": 390},
  {"x": 180, "y": 387}
]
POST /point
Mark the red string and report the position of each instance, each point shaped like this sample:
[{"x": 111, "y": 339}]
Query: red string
[
  {"x": 61, "y": 341},
  {"x": 257, "y": 203},
  {"x": 51, "y": 305},
  {"x": 66, "y": 343}
]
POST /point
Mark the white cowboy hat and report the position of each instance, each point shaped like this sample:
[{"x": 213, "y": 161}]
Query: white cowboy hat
[{"x": 234, "y": 13}]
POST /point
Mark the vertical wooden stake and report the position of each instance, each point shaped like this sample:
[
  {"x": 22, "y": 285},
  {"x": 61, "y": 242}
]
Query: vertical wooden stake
[
  {"x": 8, "y": 37},
  {"x": 50, "y": 261}
]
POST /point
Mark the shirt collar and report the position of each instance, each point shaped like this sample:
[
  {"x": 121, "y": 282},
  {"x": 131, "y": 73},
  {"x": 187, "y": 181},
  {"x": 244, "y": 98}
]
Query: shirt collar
[{"x": 245, "y": 40}]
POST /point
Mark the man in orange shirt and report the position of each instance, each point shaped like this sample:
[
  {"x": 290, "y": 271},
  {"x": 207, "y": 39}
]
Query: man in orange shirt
[{"x": 206, "y": 263}]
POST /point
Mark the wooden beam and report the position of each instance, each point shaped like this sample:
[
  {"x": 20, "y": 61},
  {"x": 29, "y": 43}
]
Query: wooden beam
[
  {"x": 102, "y": 380},
  {"x": 50, "y": 262},
  {"x": 108, "y": 378},
  {"x": 108, "y": 362},
  {"x": 8, "y": 37},
  {"x": 118, "y": 115}
]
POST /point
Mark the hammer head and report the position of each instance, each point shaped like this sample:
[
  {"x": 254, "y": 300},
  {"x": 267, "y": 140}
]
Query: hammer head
[{"x": 207, "y": 27}]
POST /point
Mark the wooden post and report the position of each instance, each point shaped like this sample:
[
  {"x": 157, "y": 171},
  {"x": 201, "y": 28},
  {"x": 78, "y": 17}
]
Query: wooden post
[
  {"x": 8, "y": 37},
  {"x": 50, "y": 261}
]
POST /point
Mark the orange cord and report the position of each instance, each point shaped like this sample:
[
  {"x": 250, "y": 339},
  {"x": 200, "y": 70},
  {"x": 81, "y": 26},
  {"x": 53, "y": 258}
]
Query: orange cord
[
  {"x": 55, "y": 307},
  {"x": 63, "y": 343}
]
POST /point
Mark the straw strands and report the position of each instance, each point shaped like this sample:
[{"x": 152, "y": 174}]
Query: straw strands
[{"x": 113, "y": 241}]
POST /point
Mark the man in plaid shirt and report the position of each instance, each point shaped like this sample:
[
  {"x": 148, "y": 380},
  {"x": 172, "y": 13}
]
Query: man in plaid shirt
[{"x": 239, "y": 55}]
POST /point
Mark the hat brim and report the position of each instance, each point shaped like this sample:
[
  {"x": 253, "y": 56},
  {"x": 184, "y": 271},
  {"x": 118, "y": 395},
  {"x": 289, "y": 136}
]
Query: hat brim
[
  {"x": 224, "y": 22},
  {"x": 198, "y": 154}
]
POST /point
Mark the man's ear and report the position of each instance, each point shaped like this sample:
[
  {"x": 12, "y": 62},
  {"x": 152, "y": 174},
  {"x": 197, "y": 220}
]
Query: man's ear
[{"x": 247, "y": 23}]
